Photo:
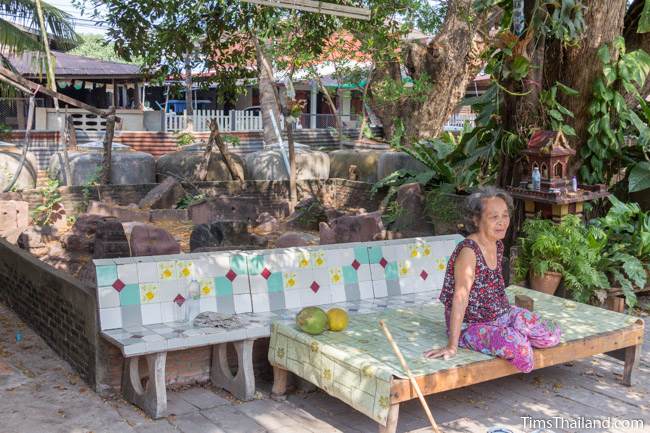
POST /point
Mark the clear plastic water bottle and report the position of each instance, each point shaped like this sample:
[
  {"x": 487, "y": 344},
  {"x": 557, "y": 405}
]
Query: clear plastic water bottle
[
  {"x": 537, "y": 179},
  {"x": 194, "y": 296},
  {"x": 574, "y": 184}
]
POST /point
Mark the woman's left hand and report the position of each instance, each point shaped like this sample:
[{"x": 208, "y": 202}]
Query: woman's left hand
[{"x": 446, "y": 353}]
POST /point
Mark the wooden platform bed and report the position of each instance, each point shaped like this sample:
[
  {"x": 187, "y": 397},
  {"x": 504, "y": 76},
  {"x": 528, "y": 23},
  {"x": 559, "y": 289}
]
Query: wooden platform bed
[{"x": 588, "y": 331}]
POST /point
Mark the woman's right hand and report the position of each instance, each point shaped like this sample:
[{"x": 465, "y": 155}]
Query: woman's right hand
[{"x": 445, "y": 353}]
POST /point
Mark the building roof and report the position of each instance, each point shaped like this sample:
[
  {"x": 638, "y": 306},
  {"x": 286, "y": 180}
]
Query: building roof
[{"x": 71, "y": 66}]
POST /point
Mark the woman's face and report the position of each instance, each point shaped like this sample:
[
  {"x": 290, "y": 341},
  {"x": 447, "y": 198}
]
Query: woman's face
[{"x": 495, "y": 218}]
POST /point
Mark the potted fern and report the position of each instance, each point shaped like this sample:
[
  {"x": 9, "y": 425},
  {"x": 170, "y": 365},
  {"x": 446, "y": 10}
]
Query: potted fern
[{"x": 550, "y": 253}]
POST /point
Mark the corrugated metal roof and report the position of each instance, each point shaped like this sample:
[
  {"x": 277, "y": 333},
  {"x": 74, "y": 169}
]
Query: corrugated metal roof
[{"x": 71, "y": 66}]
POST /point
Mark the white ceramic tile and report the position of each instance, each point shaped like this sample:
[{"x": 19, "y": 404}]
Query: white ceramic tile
[
  {"x": 377, "y": 272},
  {"x": 260, "y": 302},
  {"x": 322, "y": 276},
  {"x": 240, "y": 285},
  {"x": 363, "y": 273},
  {"x": 108, "y": 297},
  {"x": 103, "y": 262},
  {"x": 242, "y": 303},
  {"x": 147, "y": 272},
  {"x": 365, "y": 290},
  {"x": 258, "y": 332},
  {"x": 110, "y": 318},
  {"x": 292, "y": 299},
  {"x": 170, "y": 312},
  {"x": 308, "y": 297},
  {"x": 392, "y": 252},
  {"x": 185, "y": 270},
  {"x": 151, "y": 313},
  {"x": 379, "y": 288},
  {"x": 203, "y": 269},
  {"x": 156, "y": 346},
  {"x": 218, "y": 264},
  {"x": 407, "y": 285},
  {"x": 208, "y": 304},
  {"x": 128, "y": 273},
  {"x": 123, "y": 260},
  {"x": 134, "y": 349},
  {"x": 168, "y": 290},
  {"x": 341, "y": 256},
  {"x": 258, "y": 284},
  {"x": 338, "y": 293}
]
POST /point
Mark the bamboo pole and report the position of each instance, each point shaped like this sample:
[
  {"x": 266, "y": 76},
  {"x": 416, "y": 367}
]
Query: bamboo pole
[{"x": 406, "y": 368}]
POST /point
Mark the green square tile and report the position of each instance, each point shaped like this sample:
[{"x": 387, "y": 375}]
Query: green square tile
[
  {"x": 350, "y": 275},
  {"x": 391, "y": 272},
  {"x": 238, "y": 264},
  {"x": 361, "y": 254},
  {"x": 255, "y": 265},
  {"x": 106, "y": 275},
  {"x": 375, "y": 254},
  {"x": 130, "y": 295},
  {"x": 275, "y": 282},
  {"x": 223, "y": 286}
]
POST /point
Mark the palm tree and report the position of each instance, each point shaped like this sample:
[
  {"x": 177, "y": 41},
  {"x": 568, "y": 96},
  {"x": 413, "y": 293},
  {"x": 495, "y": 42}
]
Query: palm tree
[{"x": 20, "y": 30}]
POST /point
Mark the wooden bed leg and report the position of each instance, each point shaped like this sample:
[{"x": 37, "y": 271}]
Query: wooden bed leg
[
  {"x": 391, "y": 422},
  {"x": 280, "y": 379},
  {"x": 632, "y": 355}
]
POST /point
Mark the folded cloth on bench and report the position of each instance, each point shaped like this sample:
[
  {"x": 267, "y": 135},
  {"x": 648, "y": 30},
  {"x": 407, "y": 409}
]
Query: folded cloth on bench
[{"x": 357, "y": 365}]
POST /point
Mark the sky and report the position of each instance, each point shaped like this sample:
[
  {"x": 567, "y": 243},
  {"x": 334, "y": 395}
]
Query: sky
[{"x": 83, "y": 23}]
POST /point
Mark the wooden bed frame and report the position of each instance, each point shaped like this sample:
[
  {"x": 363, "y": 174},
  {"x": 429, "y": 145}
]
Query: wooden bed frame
[{"x": 623, "y": 344}]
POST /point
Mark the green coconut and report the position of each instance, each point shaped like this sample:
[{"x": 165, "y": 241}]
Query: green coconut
[{"x": 312, "y": 320}]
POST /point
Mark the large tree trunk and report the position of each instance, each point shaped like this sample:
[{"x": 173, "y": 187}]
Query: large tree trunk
[
  {"x": 450, "y": 61},
  {"x": 579, "y": 66},
  {"x": 269, "y": 99}
]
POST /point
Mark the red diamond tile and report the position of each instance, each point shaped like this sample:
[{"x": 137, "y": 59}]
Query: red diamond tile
[
  {"x": 383, "y": 262},
  {"x": 266, "y": 273},
  {"x": 118, "y": 285},
  {"x": 356, "y": 264},
  {"x": 314, "y": 287},
  {"x": 424, "y": 274},
  {"x": 231, "y": 275},
  {"x": 179, "y": 299}
]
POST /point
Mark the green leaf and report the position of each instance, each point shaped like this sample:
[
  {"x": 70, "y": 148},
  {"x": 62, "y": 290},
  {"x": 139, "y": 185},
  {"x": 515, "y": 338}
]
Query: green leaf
[
  {"x": 566, "y": 89},
  {"x": 603, "y": 54},
  {"x": 568, "y": 130},
  {"x": 519, "y": 67},
  {"x": 639, "y": 178},
  {"x": 556, "y": 115},
  {"x": 644, "y": 19}
]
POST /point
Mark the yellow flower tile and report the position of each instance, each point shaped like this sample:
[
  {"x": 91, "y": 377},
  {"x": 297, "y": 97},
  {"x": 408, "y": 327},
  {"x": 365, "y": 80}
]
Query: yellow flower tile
[
  {"x": 148, "y": 293},
  {"x": 413, "y": 251},
  {"x": 318, "y": 259},
  {"x": 336, "y": 276},
  {"x": 166, "y": 270},
  {"x": 207, "y": 288},
  {"x": 184, "y": 269},
  {"x": 290, "y": 280},
  {"x": 441, "y": 265},
  {"x": 426, "y": 250},
  {"x": 303, "y": 261},
  {"x": 404, "y": 268}
]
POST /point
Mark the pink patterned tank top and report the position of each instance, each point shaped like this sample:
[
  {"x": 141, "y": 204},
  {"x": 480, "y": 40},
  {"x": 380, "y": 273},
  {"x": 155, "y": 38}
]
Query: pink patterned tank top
[{"x": 487, "y": 297}]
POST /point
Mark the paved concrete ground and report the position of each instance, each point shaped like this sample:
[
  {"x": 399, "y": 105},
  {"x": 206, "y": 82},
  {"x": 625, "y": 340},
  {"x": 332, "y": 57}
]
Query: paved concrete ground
[{"x": 39, "y": 393}]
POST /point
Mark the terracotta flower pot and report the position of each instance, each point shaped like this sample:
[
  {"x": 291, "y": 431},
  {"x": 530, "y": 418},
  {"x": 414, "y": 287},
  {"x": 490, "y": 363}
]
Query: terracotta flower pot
[{"x": 547, "y": 283}]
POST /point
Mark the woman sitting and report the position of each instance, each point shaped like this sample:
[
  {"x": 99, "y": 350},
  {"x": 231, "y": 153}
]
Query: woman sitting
[{"x": 477, "y": 311}]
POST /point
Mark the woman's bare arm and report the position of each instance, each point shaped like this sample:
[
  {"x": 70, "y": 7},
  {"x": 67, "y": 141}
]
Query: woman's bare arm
[{"x": 464, "y": 278}]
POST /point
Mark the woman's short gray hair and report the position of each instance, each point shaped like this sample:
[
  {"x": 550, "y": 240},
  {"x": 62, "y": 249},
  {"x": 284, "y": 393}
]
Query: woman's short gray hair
[{"x": 475, "y": 203}]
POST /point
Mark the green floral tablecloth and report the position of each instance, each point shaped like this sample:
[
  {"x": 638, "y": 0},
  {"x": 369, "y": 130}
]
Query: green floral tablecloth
[{"x": 357, "y": 365}]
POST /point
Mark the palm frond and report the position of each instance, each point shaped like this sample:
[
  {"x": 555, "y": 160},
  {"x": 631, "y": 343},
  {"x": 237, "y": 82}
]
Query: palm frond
[
  {"x": 14, "y": 40},
  {"x": 59, "y": 23}
]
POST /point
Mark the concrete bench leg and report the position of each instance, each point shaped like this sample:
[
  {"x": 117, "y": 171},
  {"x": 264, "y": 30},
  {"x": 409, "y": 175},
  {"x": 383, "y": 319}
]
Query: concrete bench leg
[
  {"x": 242, "y": 384},
  {"x": 391, "y": 422},
  {"x": 153, "y": 397}
]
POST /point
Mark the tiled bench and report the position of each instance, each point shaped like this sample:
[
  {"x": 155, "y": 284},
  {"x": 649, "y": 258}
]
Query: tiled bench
[{"x": 143, "y": 301}]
